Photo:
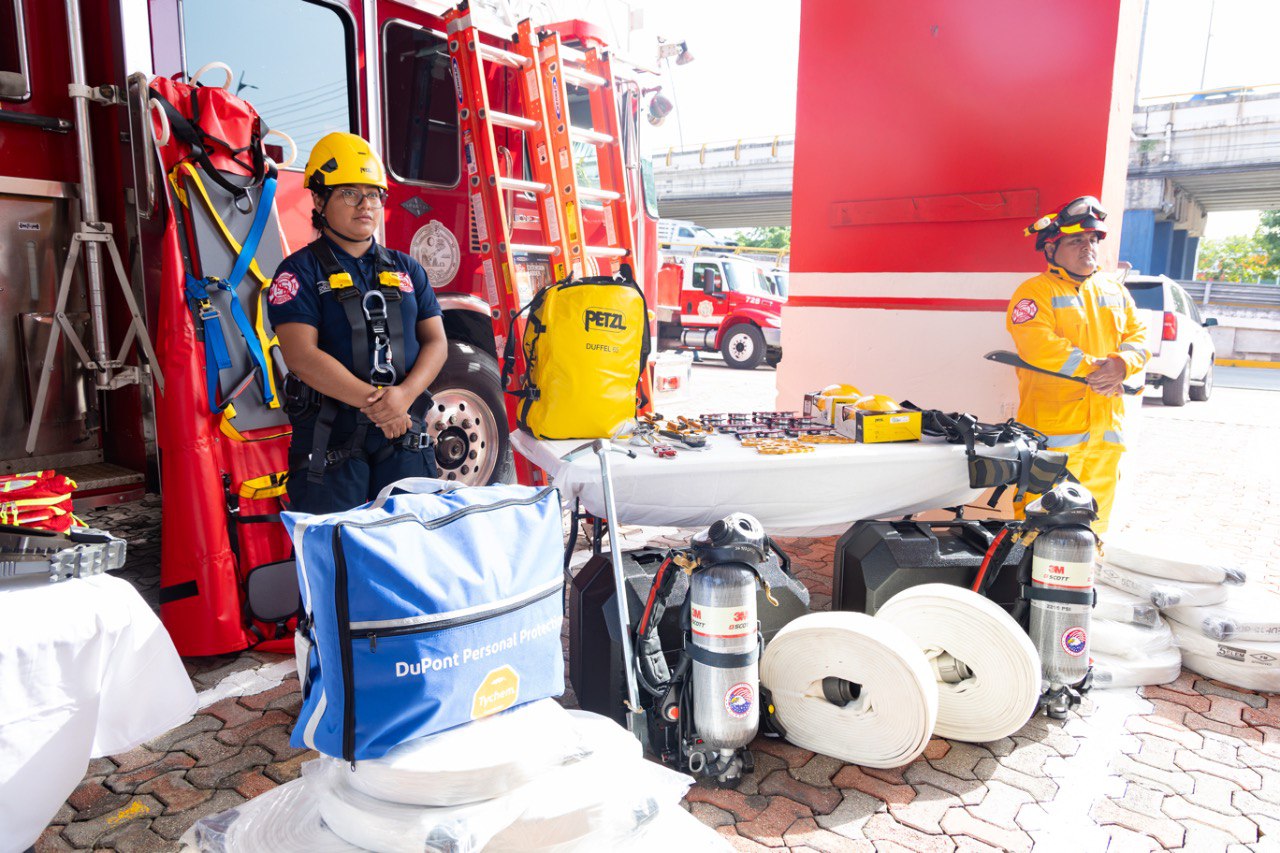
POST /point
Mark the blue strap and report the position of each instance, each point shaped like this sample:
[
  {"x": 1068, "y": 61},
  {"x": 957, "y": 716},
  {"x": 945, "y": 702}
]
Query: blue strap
[
  {"x": 247, "y": 252},
  {"x": 216, "y": 356}
]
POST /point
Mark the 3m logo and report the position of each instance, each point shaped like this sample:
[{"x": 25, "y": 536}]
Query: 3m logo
[
  {"x": 601, "y": 319},
  {"x": 739, "y": 615},
  {"x": 696, "y": 612}
]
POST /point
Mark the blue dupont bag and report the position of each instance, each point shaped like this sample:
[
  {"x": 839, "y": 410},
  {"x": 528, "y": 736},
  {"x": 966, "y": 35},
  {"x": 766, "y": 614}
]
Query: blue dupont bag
[{"x": 426, "y": 610}]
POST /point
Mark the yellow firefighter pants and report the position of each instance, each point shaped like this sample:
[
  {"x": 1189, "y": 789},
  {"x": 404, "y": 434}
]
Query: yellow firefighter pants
[{"x": 1096, "y": 464}]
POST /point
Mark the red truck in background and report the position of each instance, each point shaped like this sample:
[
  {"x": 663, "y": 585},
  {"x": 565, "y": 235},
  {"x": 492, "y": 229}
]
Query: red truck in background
[{"x": 718, "y": 302}]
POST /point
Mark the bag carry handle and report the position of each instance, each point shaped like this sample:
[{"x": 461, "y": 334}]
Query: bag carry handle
[{"x": 415, "y": 486}]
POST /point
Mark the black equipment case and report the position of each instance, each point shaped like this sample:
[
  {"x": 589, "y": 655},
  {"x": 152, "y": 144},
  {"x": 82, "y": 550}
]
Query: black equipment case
[{"x": 876, "y": 560}]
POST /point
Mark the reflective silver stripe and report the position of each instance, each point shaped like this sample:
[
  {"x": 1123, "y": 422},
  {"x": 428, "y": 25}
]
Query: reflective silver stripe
[
  {"x": 1110, "y": 301},
  {"x": 1067, "y": 302},
  {"x": 1073, "y": 361},
  {"x": 313, "y": 722},
  {"x": 433, "y": 618},
  {"x": 1113, "y": 437},
  {"x": 1068, "y": 440}
]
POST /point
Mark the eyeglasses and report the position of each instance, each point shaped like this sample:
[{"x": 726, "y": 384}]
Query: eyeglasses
[
  {"x": 353, "y": 197},
  {"x": 1082, "y": 208}
]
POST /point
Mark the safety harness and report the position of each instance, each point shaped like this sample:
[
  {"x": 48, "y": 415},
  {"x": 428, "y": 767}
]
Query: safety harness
[{"x": 370, "y": 319}]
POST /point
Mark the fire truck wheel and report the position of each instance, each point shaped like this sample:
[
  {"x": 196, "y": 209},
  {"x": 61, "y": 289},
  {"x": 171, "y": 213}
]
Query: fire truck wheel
[
  {"x": 468, "y": 421},
  {"x": 743, "y": 346}
]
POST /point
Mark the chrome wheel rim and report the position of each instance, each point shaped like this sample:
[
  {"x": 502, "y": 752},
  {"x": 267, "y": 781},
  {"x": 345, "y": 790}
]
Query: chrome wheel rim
[{"x": 465, "y": 432}]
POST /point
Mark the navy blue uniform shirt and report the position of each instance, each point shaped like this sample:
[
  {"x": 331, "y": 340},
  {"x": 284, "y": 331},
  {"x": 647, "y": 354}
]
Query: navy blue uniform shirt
[{"x": 295, "y": 298}]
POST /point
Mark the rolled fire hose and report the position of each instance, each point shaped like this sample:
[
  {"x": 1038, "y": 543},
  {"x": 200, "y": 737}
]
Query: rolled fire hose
[
  {"x": 1250, "y": 613},
  {"x": 1243, "y": 663},
  {"x": 1126, "y": 640},
  {"x": 1113, "y": 671},
  {"x": 986, "y": 666},
  {"x": 1120, "y": 606},
  {"x": 1171, "y": 558},
  {"x": 479, "y": 761},
  {"x": 852, "y": 687},
  {"x": 286, "y": 818},
  {"x": 1160, "y": 591}
]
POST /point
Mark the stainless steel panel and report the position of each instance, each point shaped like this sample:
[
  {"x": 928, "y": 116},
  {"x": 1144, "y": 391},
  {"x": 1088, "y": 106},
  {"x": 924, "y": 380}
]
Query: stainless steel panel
[{"x": 34, "y": 241}]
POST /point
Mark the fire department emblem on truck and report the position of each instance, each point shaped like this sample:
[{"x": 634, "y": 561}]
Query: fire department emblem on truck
[{"x": 435, "y": 247}]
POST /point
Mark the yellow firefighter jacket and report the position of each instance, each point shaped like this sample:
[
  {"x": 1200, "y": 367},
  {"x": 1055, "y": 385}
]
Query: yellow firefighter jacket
[{"x": 1069, "y": 327}]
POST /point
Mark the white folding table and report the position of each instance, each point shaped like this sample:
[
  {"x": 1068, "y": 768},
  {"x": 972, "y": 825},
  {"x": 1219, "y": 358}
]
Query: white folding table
[
  {"x": 805, "y": 494},
  {"x": 86, "y": 670}
]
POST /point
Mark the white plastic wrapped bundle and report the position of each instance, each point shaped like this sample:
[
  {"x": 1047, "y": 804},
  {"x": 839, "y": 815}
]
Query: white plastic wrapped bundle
[
  {"x": 1169, "y": 556},
  {"x": 479, "y": 761},
  {"x": 1251, "y": 612},
  {"x": 1160, "y": 668},
  {"x": 383, "y": 827},
  {"x": 1120, "y": 606},
  {"x": 1002, "y": 688},
  {"x": 888, "y": 724},
  {"x": 1129, "y": 641},
  {"x": 1243, "y": 663},
  {"x": 596, "y": 803},
  {"x": 674, "y": 829},
  {"x": 1160, "y": 592},
  {"x": 283, "y": 820}
]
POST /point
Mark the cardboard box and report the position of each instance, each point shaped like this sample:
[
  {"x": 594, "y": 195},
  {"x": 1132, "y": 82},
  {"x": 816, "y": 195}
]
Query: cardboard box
[
  {"x": 876, "y": 427},
  {"x": 824, "y": 407}
]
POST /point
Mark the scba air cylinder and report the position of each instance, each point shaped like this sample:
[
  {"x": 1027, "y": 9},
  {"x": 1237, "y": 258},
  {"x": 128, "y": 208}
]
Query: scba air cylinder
[
  {"x": 1062, "y": 562},
  {"x": 726, "y": 665}
]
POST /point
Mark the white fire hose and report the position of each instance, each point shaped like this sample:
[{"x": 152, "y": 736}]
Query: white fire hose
[
  {"x": 282, "y": 819},
  {"x": 1250, "y": 613},
  {"x": 1160, "y": 591},
  {"x": 1120, "y": 606},
  {"x": 1176, "y": 559},
  {"x": 1243, "y": 663},
  {"x": 987, "y": 669},
  {"x": 887, "y": 723}
]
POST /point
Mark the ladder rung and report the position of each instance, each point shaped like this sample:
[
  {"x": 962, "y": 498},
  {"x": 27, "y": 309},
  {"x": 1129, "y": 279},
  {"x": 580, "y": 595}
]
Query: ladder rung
[
  {"x": 606, "y": 252},
  {"x": 503, "y": 57},
  {"x": 572, "y": 54},
  {"x": 598, "y": 195},
  {"x": 521, "y": 249},
  {"x": 578, "y": 77},
  {"x": 513, "y": 122},
  {"x": 524, "y": 186},
  {"x": 595, "y": 137}
]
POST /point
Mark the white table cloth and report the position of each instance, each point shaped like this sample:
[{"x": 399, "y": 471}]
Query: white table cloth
[
  {"x": 803, "y": 494},
  {"x": 86, "y": 670}
]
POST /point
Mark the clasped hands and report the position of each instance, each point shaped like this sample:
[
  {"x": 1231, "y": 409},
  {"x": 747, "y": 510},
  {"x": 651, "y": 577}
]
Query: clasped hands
[
  {"x": 1108, "y": 377},
  {"x": 388, "y": 409}
]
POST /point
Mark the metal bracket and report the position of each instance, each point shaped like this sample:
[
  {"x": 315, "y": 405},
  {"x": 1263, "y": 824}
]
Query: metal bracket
[
  {"x": 107, "y": 379},
  {"x": 106, "y": 95}
]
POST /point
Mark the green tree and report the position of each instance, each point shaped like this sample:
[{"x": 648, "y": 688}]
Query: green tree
[
  {"x": 1237, "y": 258},
  {"x": 1269, "y": 235},
  {"x": 770, "y": 237}
]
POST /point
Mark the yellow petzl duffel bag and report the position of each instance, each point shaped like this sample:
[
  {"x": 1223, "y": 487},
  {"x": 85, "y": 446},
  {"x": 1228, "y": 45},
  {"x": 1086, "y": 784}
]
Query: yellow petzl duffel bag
[{"x": 585, "y": 346}]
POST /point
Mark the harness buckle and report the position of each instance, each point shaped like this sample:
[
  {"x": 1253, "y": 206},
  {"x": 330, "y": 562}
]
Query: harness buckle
[{"x": 415, "y": 440}]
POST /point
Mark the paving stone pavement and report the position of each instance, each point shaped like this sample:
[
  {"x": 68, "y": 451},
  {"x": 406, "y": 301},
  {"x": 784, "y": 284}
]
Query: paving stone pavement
[{"x": 1193, "y": 765}]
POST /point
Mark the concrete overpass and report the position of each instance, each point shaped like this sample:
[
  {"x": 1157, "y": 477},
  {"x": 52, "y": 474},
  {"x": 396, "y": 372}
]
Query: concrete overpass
[{"x": 1210, "y": 151}]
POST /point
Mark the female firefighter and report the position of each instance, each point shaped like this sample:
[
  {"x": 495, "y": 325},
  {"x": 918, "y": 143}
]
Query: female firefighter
[{"x": 360, "y": 329}]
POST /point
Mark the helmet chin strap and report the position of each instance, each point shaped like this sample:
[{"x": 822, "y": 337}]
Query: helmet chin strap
[{"x": 329, "y": 225}]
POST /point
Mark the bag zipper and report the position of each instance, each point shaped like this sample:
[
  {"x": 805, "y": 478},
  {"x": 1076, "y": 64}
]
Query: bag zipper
[
  {"x": 528, "y": 600},
  {"x": 343, "y": 607}
]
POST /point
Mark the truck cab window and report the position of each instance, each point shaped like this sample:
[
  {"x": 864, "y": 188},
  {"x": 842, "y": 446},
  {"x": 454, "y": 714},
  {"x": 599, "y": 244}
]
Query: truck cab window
[
  {"x": 292, "y": 60},
  {"x": 14, "y": 83},
  {"x": 420, "y": 106}
]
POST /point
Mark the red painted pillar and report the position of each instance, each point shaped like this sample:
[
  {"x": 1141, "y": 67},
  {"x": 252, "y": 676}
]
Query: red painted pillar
[{"x": 928, "y": 135}]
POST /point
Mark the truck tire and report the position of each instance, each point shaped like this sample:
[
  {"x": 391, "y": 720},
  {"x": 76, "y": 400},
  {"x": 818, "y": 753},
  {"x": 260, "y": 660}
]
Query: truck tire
[
  {"x": 1175, "y": 391},
  {"x": 1200, "y": 393},
  {"x": 468, "y": 419},
  {"x": 743, "y": 347}
]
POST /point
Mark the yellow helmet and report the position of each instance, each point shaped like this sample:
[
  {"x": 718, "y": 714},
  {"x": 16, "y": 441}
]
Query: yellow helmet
[
  {"x": 343, "y": 158},
  {"x": 877, "y": 403},
  {"x": 840, "y": 390}
]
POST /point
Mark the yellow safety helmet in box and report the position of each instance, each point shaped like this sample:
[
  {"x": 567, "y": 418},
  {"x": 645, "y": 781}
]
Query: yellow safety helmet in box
[
  {"x": 840, "y": 390},
  {"x": 343, "y": 158},
  {"x": 877, "y": 403}
]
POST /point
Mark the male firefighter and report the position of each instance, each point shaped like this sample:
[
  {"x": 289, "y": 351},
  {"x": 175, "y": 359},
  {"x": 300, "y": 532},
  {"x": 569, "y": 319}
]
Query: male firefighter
[
  {"x": 1077, "y": 321},
  {"x": 361, "y": 331}
]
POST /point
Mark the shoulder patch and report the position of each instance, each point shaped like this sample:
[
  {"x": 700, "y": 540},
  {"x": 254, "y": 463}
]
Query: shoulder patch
[
  {"x": 283, "y": 288},
  {"x": 1023, "y": 311},
  {"x": 406, "y": 283}
]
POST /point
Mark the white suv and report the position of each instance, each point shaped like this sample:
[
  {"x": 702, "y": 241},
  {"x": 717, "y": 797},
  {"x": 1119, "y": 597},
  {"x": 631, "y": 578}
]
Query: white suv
[{"x": 1182, "y": 352}]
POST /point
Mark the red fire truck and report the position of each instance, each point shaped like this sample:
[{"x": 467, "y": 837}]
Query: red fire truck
[
  {"x": 714, "y": 300},
  {"x": 81, "y": 188}
]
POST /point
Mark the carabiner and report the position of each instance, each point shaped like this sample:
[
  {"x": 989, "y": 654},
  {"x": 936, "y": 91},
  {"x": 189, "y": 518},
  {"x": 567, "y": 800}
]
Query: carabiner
[
  {"x": 383, "y": 371},
  {"x": 374, "y": 296}
]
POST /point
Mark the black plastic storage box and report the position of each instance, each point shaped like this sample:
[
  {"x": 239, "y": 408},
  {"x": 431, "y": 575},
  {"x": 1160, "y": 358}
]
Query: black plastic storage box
[{"x": 875, "y": 560}]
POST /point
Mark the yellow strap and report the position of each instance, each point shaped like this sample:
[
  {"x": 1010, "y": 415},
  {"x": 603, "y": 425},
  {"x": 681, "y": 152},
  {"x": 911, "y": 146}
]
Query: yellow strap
[
  {"x": 30, "y": 502},
  {"x": 228, "y": 429},
  {"x": 263, "y": 282},
  {"x": 267, "y": 486}
]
